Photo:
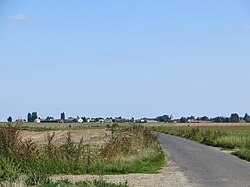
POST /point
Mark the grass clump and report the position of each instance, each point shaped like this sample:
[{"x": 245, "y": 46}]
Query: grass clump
[
  {"x": 130, "y": 143},
  {"x": 243, "y": 153}
]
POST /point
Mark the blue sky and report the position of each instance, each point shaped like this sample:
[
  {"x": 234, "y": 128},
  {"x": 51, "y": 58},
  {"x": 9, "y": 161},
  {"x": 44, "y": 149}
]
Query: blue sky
[{"x": 124, "y": 58}]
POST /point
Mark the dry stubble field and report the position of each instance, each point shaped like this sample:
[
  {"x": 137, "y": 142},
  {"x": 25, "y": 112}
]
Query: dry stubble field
[{"x": 92, "y": 136}]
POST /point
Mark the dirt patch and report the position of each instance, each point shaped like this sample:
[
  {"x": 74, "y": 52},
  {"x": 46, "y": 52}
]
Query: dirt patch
[{"x": 169, "y": 176}]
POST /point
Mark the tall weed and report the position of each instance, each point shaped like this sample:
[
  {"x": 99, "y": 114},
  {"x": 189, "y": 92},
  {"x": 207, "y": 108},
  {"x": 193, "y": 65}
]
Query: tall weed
[{"x": 128, "y": 141}]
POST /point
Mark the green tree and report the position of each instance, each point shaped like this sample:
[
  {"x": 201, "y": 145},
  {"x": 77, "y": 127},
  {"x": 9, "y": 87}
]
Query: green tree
[
  {"x": 247, "y": 118},
  {"x": 219, "y": 119},
  {"x": 84, "y": 119},
  {"x": 204, "y": 118},
  {"x": 62, "y": 116},
  {"x": 9, "y": 119},
  {"x": 34, "y": 116},
  {"x": 49, "y": 118},
  {"x": 235, "y": 118},
  {"x": 29, "y": 117},
  {"x": 183, "y": 120},
  {"x": 164, "y": 118}
]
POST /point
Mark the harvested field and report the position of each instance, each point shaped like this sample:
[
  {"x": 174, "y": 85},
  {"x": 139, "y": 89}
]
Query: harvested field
[{"x": 93, "y": 136}]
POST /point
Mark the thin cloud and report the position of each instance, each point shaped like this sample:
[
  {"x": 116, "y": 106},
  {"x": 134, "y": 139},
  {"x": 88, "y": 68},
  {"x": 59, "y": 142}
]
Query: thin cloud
[{"x": 21, "y": 18}]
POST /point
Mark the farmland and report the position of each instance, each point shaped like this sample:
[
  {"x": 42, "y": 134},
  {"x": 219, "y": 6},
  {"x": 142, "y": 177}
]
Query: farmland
[
  {"x": 57, "y": 126},
  {"x": 35, "y": 153}
]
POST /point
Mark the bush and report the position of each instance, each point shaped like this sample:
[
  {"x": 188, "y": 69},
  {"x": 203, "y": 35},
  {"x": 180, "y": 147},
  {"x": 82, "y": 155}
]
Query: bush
[{"x": 129, "y": 141}]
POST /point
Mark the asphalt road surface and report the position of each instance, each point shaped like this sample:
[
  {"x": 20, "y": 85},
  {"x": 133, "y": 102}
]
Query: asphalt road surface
[{"x": 204, "y": 165}]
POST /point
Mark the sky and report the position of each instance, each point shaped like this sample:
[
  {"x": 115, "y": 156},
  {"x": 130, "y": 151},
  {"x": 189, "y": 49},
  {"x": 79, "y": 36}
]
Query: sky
[{"x": 133, "y": 58}]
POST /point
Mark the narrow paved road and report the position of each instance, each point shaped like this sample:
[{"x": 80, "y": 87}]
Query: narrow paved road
[{"x": 204, "y": 165}]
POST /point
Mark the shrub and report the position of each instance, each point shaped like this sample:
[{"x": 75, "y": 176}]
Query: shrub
[
  {"x": 129, "y": 141},
  {"x": 9, "y": 139}
]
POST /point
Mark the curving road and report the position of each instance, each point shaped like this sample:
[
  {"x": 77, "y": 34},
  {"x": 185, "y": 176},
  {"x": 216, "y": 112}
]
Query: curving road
[{"x": 204, "y": 165}]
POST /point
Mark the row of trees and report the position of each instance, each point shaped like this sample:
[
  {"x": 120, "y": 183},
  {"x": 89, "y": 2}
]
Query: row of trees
[
  {"x": 164, "y": 118},
  {"x": 235, "y": 118},
  {"x": 32, "y": 116}
]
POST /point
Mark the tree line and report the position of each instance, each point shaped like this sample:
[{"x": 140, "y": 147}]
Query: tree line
[{"x": 234, "y": 118}]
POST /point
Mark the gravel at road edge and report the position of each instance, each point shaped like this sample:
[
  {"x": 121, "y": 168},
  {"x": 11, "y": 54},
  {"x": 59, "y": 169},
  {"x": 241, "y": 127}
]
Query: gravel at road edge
[{"x": 169, "y": 176}]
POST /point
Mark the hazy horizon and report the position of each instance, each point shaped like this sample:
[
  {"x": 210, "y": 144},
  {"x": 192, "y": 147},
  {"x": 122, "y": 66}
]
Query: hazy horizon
[{"x": 131, "y": 59}]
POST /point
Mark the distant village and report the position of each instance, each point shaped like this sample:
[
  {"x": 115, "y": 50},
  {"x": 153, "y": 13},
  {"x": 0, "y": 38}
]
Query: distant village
[{"x": 233, "y": 118}]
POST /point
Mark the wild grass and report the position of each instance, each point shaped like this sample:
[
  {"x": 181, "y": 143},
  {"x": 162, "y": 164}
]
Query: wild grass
[
  {"x": 237, "y": 138},
  {"x": 130, "y": 144},
  {"x": 243, "y": 153},
  {"x": 129, "y": 150}
]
